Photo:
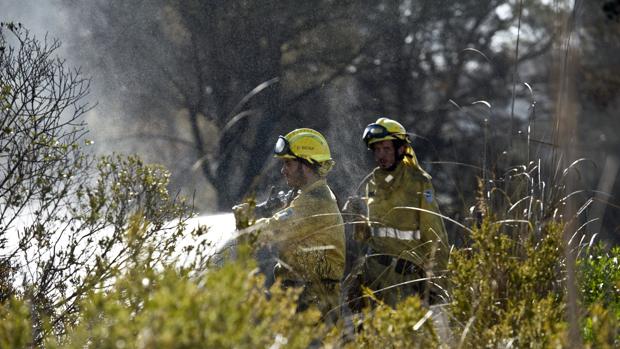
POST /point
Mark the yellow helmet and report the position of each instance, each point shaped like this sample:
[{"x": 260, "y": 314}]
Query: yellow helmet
[
  {"x": 384, "y": 129},
  {"x": 303, "y": 143}
]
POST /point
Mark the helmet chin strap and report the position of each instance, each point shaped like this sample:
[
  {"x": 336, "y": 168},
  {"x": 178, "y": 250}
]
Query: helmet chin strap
[{"x": 402, "y": 151}]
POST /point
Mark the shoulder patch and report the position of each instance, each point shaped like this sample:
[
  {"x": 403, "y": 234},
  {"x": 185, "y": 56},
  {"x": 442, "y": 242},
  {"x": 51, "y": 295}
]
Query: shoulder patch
[
  {"x": 428, "y": 195},
  {"x": 284, "y": 214}
]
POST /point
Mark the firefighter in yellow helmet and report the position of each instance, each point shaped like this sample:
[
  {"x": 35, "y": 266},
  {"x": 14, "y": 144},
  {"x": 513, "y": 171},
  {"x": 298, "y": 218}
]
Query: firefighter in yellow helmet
[
  {"x": 306, "y": 234},
  {"x": 405, "y": 238}
]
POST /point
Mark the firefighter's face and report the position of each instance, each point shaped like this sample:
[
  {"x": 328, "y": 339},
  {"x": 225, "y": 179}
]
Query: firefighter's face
[
  {"x": 292, "y": 170},
  {"x": 385, "y": 154}
]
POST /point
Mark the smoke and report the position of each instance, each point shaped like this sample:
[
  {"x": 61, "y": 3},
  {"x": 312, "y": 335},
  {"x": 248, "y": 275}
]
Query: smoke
[
  {"x": 53, "y": 20},
  {"x": 137, "y": 40},
  {"x": 112, "y": 125},
  {"x": 345, "y": 138},
  {"x": 108, "y": 124}
]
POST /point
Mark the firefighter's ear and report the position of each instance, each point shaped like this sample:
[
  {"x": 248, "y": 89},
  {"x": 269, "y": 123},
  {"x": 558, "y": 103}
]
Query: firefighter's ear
[{"x": 401, "y": 150}]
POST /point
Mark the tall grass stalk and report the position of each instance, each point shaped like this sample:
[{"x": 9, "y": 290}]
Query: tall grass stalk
[{"x": 565, "y": 140}]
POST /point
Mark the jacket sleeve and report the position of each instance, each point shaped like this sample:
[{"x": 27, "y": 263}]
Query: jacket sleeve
[
  {"x": 277, "y": 227},
  {"x": 309, "y": 238}
]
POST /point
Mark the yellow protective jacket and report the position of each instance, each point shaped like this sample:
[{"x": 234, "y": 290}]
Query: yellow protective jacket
[
  {"x": 309, "y": 237},
  {"x": 398, "y": 228}
]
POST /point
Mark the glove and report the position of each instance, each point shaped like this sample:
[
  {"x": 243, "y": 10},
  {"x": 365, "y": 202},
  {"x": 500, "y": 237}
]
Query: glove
[
  {"x": 242, "y": 215},
  {"x": 273, "y": 203},
  {"x": 355, "y": 205}
]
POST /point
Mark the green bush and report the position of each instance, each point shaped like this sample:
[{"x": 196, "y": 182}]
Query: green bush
[
  {"x": 167, "y": 308},
  {"x": 407, "y": 326},
  {"x": 600, "y": 277},
  {"x": 14, "y": 324},
  {"x": 599, "y": 281},
  {"x": 601, "y": 328},
  {"x": 506, "y": 290},
  {"x": 64, "y": 213}
]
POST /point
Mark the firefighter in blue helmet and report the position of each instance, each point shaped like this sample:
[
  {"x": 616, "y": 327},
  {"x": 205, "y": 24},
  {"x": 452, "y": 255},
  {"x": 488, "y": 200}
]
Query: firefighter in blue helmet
[
  {"x": 404, "y": 238},
  {"x": 305, "y": 234}
]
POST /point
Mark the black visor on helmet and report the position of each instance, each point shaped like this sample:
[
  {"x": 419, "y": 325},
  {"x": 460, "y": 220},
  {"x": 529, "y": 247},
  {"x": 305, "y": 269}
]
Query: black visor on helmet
[
  {"x": 373, "y": 131},
  {"x": 282, "y": 147}
]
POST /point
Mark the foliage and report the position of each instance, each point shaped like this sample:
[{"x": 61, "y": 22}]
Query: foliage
[
  {"x": 14, "y": 324},
  {"x": 40, "y": 162},
  {"x": 166, "y": 308},
  {"x": 600, "y": 291},
  {"x": 601, "y": 328},
  {"x": 508, "y": 290},
  {"x": 503, "y": 295},
  {"x": 600, "y": 277},
  {"x": 406, "y": 326},
  {"x": 63, "y": 219},
  {"x": 510, "y": 286}
]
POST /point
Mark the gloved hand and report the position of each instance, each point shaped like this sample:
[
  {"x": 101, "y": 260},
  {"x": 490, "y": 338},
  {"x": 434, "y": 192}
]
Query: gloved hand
[
  {"x": 355, "y": 205},
  {"x": 274, "y": 202},
  {"x": 242, "y": 215}
]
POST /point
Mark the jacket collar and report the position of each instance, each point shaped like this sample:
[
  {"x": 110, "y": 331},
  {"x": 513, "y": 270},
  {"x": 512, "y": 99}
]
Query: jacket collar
[{"x": 309, "y": 187}]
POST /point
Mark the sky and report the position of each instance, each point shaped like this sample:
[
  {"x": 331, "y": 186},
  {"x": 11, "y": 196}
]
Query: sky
[{"x": 40, "y": 16}]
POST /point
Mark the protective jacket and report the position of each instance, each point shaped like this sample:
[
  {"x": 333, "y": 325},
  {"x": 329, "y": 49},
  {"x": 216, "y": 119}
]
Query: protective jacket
[
  {"x": 308, "y": 237},
  {"x": 407, "y": 238}
]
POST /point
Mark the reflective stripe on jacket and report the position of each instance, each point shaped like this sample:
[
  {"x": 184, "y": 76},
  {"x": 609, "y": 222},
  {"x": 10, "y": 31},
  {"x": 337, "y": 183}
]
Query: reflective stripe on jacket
[{"x": 387, "y": 232}]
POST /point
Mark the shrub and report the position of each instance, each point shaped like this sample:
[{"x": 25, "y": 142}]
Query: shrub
[
  {"x": 221, "y": 308},
  {"x": 62, "y": 220},
  {"x": 14, "y": 324},
  {"x": 600, "y": 277},
  {"x": 599, "y": 281},
  {"x": 508, "y": 291},
  {"x": 407, "y": 326}
]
